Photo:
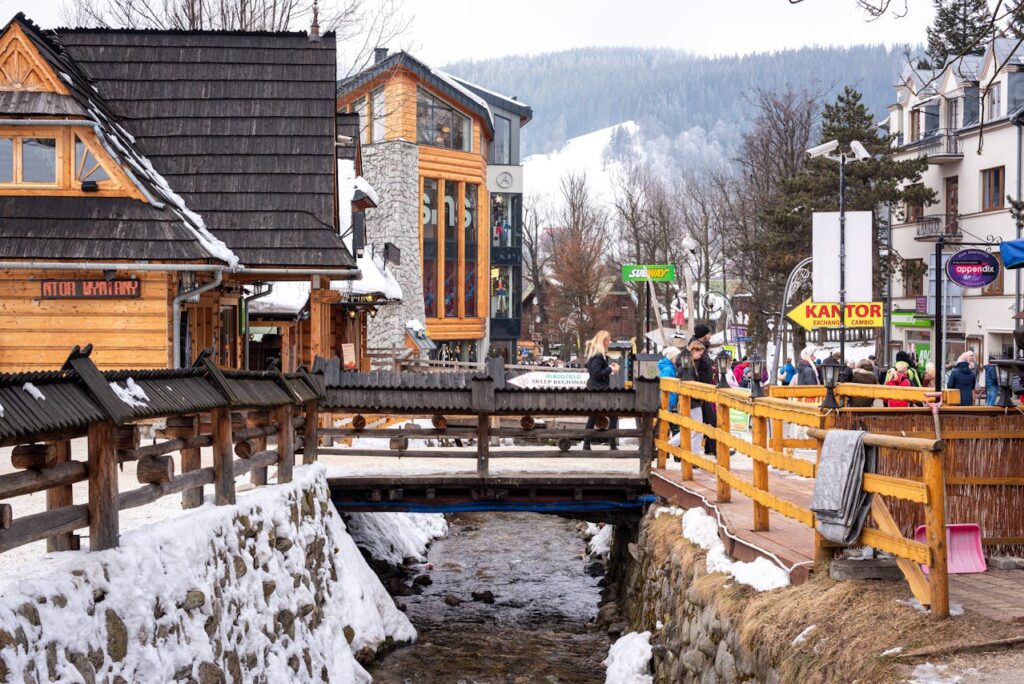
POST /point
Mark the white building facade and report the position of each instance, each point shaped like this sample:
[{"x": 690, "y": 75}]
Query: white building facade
[{"x": 965, "y": 120}]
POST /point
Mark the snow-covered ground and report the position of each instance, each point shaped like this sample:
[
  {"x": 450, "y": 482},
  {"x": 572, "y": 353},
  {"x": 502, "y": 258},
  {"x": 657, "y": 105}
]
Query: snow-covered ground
[
  {"x": 629, "y": 660},
  {"x": 396, "y": 537}
]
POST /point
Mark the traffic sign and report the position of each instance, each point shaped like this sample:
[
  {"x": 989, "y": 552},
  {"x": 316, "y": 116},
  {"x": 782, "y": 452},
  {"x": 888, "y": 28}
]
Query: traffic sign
[
  {"x": 659, "y": 273},
  {"x": 810, "y": 315}
]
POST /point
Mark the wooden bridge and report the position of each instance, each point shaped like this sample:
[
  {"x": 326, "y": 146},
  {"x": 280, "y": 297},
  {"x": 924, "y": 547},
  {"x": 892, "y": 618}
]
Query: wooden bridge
[{"x": 430, "y": 442}]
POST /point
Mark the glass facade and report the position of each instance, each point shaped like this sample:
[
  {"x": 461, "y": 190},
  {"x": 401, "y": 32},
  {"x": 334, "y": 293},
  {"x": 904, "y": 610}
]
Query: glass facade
[
  {"x": 439, "y": 125},
  {"x": 429, "y": 221},
  {"x": 451, "y": 249},
  {"x": 505, "y": 217},
  {"x": 470, "y": 233},
  {"x": 502, "y": 140},
  {"x": 504, "y": 292}
]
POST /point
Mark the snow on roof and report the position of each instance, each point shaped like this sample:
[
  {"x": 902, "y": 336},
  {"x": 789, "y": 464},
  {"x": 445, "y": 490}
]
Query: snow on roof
[
  {"x": 377, "y": 279},
  {"x": 348, "y": 184},
  {"x": 364, "y": 185},
  {"x": 489, "y": 91},
  {"x": 286, "y": 298},
  {"x": 454, "y": 83}
]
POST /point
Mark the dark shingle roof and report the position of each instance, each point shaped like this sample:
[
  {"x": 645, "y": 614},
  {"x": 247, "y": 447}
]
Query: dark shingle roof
[
  {"x": 241, "y": 125},
  {"x": 28, "y": 103},
  {"x": 510, "y": 104}
]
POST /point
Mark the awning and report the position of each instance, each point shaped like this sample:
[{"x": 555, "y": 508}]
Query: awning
[{"x": 1012, "y": 252}]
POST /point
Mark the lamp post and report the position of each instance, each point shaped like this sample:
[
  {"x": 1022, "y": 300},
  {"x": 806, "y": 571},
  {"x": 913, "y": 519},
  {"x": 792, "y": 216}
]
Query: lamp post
[
  {"x": 756, "y": 372},
  {"x": 722, "y": 362},
  {"x": 830, "y": 369},
  {"x": 686, "y": 363},
  {"x": 858, "y": 153}
]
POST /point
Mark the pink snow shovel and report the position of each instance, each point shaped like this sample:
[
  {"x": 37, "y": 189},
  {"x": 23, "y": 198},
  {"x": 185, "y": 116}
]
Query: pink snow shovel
[{"x": 963, "y": 540}]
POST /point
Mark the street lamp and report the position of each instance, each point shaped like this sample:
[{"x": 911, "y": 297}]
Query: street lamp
[
  {"x": 830, "y": 374},
  {"x": 722, "y": 362},
  {"x": 859, "y": 153},
  {"x": 1005, "y": 373},
  {"x": 756, "y": 372},
  {"x": 685, "y": 363}
]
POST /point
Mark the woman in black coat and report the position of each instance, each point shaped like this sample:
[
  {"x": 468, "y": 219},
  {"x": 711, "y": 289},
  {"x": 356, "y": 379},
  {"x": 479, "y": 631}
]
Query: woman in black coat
[{"x": 600, "y": 370}]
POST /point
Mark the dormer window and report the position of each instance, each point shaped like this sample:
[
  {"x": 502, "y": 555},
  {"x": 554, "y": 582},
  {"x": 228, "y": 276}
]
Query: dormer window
[
  {"x": 52, "y": 161},
  {"x": 28, "y": 160},
  {"x": 87, "y": 167}
]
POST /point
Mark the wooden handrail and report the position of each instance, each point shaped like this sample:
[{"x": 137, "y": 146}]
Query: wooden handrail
[{"x": 891, "y": 441}]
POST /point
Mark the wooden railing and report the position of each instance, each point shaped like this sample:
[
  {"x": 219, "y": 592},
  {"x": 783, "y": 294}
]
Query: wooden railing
[
  {"x": 767, "y": 448},
  {"x": 849, "y": 390}
]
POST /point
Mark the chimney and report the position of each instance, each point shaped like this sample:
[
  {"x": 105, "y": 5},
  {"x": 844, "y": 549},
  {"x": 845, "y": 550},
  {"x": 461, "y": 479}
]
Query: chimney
[
  {"x": 314, "y": 28},
  {"x": 379, "y": 54}
]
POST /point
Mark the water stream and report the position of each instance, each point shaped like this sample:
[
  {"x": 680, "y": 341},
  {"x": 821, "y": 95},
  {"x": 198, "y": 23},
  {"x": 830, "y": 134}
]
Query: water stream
[{"x": 539, "y": 626}]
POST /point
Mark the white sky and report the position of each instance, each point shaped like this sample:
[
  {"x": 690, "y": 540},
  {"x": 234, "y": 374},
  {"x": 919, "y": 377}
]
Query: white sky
[{"x": 449, "y": 30}]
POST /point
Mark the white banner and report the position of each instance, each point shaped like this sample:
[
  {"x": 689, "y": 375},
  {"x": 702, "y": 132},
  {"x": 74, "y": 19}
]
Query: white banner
[
  {"x": 551, "y": 380},
  {"x": 859, "y": 256}
]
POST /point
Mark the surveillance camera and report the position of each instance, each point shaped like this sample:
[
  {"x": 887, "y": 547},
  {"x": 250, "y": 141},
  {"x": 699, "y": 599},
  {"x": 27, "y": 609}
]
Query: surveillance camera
[
  {"x": 823, "y": 149},
  {"x": 859, "y": 151}
]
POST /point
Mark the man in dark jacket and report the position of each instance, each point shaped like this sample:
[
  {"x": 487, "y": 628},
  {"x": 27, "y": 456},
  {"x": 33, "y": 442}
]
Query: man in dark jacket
[
  {"x": 863, "y": 374},
  {"x": 705, "y": 374},
  {"x": 962, "y": 378}
]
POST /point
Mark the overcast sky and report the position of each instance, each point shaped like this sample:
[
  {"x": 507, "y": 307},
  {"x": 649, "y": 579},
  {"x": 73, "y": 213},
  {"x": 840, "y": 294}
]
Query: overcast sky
[{"x": 449, "y": 30}]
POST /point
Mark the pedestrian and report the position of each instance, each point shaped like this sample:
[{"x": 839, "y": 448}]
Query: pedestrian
[
  {"x": 787, "y": 371},
  {"x": 928, "y": 379},
  {"x": 806, "y": 375},
  {"x": 600, "y": 370},
  {"x": 707, "y": 409},
  {"x": 962, "y": 378},
  {"x": 863, "y": 374},
  {"x": 703, "y": 367},
  {"x": 899, "y": 378},
  {"x": 667, "y": 369},
  {"x": 740, "y": 371},
  {"x": 905, "y": 364},
  {"x": 991, "y": 381}
]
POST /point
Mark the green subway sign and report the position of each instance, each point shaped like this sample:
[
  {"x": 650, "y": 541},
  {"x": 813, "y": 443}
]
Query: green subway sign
[{"x": 661, "y": 273}]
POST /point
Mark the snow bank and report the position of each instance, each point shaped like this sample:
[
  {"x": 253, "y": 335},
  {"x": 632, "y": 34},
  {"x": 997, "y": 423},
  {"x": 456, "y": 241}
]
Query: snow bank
[
  {"x": 761, "y": 574},
  {"x": 396, "y": 537},
  {"x": 600, "y": 543},
  {"x": 629, "y": 659},
  {"x": 272, "y": 588},
  {"x": 377, "y": 279}
]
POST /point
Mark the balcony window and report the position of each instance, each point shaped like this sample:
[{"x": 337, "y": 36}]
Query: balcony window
[
  {"x": 429, "y": 221},
  {"x": 931, "y": 120},
  {"x": 440, "y": 125},
  {"x": 1015, "y": 91},
  {"x": 992, "y": 188},
  {"x": 502, "y": 140}
]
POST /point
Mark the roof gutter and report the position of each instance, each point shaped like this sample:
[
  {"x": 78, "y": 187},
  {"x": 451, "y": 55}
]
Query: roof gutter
[
  {"x": 109, "y": 266},
  {"x": 334, "y": 273}
]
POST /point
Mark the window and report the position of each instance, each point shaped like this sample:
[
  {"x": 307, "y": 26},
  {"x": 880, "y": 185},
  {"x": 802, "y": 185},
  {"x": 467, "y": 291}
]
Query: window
[
  {"x": 28, "y": 161},
  {"x": 378, "y": 112},
  {"x": 953, "y": 114},
  {"x": 469, "y": 218},
  {"x": 995, "y": 96},
  {"x": 6, "y": 160},
  {"x": 913, "y": 270},
  {"x": 992, "y": 186},
  {"x": 359, "y": 107},
  {"x": 915, "y": 124},
  {"x": 931, "y": 120},
  {"x": 87, "y": 167},
  {"x": 429, "y": 219},
  {"x": 971, "y": 103},
  {"x": 996, "y": 286},
  {"x": 505, "y": 214},
  {"x": 439, "y": 125},
  {"x": 502, "y": 292},
  {"x": 502, "y": 140},
  {"x": 451, "y": 248}
]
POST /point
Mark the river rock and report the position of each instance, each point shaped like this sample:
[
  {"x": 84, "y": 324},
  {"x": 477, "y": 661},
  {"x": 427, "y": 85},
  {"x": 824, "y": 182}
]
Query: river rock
[
  {"x": 595, "y": 569},
  {"x": 607, "y": 613},
  {"x": 423, "y": 581},
  {"x": 452, "y": 600},
  {"x": 483, "y": 596}
]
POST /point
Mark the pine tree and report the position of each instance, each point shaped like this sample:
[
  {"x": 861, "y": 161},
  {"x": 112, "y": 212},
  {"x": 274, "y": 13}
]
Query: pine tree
[{"x": 960, "y": 27}]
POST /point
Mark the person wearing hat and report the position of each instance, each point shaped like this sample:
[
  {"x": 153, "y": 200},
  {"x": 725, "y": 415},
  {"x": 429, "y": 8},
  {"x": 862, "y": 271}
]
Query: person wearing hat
[
  {"x": 704, "y": 371},
  {"x": 991, "y": 381}
]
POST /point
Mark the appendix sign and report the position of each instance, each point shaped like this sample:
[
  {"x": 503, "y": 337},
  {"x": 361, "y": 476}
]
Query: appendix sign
[
  {"x": 810, "y": 315},
  {"x": 659, "y": 273},
  {"x": 972, "y": 268}
]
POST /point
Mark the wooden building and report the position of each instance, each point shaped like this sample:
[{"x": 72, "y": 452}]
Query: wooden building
[
  {"x": 404, "y": 101},
  {"x": 152, "y": 181}
]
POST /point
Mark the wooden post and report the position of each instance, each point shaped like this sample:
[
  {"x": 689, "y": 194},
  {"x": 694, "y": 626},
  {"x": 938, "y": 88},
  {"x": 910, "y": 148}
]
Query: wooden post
[
  {"x": 285, "y": 444},
  {"x": 722, "y": 488},
  {"x": 258, "y": 476},
  {"x": 685, "y": 435},
  {"x": 310, "y": 442},
  {"x": 103, "y": 519},
  {"x": 223, "y": 457},
  {"x": 483, "y": 444},
  {"x": 663, "y": 431},
  {"x": 777, "y": 435},
  {"x": 191, "y": 459},
  {"x": 59, "y": 497},
  {"x": 759, "y": 437},
  {"x": 935, "y": 518}
]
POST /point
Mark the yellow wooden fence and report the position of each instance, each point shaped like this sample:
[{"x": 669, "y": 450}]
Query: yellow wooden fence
[{"x": 776, "y": 452}]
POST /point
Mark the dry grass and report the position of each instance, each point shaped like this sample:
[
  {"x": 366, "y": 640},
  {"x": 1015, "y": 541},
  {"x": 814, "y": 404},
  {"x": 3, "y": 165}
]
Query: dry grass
[{"x": 855, "y": 621}]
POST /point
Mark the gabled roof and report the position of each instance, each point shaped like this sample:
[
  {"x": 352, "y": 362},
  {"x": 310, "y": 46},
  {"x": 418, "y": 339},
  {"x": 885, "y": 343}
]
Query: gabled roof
[
  {"x": 241, "y": 125},
  {"x": 441, "y": 82},
  {"x": 510, "y": 104},
  {"x": 75, "y": 227}
]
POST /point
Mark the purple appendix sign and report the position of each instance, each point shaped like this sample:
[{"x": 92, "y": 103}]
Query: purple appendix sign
[{"x": 972, "y": 268}]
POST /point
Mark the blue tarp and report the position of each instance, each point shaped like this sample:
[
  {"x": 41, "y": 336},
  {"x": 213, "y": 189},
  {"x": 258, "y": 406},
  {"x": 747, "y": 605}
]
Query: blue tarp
[{"x": 1012, "y": 252}]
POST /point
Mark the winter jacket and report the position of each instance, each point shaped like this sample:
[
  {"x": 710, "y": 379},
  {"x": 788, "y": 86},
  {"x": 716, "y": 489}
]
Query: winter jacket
[
  {"x": 862, "y": 377},
  {"x": 962, "y": 378},
  {"x": 806, "y": 375},
  {"x": 600, "y": 372},
  {"x": 906, "y": 369},
  {"x": 788, "y": 371},
  {"x": 739, "y": 370},
  {"x": 991, "y": 376},
  {"x": 705, "y": 369},
  {"x": 667, "y": 369},
  {"x": 899, "y": 379}
]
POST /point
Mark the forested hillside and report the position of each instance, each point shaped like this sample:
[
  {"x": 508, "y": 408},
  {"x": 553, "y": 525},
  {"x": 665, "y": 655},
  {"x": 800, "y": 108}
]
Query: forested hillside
[{"x": 670, "y": 93}]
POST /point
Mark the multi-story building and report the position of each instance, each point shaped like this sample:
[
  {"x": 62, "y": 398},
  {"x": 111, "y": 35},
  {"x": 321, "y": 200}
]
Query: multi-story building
[
  {"x": 966, "y": 121},
  {"x": 436, "y": 147}
]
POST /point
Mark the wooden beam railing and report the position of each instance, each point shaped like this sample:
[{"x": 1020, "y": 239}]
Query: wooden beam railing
[
  {"x": 768, "y": 415},
  {"x": 847, "y": 390}
]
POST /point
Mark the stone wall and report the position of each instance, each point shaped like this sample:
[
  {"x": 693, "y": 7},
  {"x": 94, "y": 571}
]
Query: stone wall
[
  {"x": 392, "y": 167},
  {"x": 693, "y": 640},
  {"x": 272, "y": 589}
]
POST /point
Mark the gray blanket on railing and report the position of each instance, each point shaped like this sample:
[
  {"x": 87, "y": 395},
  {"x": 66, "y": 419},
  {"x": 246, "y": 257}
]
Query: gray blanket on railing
[{"x": 839, "y": 501}]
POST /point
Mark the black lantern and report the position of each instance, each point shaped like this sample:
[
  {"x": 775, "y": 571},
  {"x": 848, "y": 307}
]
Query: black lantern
[
  {"x": 756, "y": 373},
  {"x": 1005, "y": 374},
  {"x": 686, "y": 364},
  {"x": 723, "y": 362},
  {"x": 830, "y": 370}
]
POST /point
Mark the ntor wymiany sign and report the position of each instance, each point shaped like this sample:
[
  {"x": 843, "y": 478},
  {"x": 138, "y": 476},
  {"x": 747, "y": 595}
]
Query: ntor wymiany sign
[
  {"x": 810, "y": 315},
  {"x": 660, "y": 273}
]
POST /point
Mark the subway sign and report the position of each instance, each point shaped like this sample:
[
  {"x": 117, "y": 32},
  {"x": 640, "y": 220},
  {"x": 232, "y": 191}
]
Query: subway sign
[{"x": 660, "y": 273}]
